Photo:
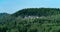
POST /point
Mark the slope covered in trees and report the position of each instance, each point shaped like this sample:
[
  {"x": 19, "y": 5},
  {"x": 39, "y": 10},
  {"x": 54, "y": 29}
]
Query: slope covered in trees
[
  {"x": 3, "y": 14},
  {"x": 37, "y": 12},
  {"x": 50, "y": 23}
]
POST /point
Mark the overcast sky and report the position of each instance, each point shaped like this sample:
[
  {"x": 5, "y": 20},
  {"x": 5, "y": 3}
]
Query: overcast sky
[{"x": 11, "y": 6}]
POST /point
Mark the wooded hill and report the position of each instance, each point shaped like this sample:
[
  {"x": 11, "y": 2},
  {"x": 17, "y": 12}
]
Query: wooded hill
[
  {"x": 16, "y": 23},
  {"x": 37, "y": 12}
]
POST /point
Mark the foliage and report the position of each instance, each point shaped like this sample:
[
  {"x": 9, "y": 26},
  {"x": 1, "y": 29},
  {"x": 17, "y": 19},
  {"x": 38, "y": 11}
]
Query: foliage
[{"x": 47, "y": 21}]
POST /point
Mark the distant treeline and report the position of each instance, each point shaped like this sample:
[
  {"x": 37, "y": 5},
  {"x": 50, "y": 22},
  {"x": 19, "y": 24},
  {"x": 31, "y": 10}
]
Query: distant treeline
[{"x": 37, "y": 12}]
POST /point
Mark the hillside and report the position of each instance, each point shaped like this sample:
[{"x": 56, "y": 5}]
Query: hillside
[
  {"x": 3, "y": 14},
  {"x": 48, "y": 20},
  {"x": 37, "y": 12}
]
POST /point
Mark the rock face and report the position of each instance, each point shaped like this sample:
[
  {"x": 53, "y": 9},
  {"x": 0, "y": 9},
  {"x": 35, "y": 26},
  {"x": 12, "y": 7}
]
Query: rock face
[{"x": 31, "y": 17}]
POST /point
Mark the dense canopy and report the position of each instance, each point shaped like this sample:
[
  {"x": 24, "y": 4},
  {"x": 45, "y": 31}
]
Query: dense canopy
[{"x": 48, "y": 20}]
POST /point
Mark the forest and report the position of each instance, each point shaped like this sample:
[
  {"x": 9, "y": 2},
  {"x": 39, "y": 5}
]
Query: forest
[{"x": 31, "y": 20}]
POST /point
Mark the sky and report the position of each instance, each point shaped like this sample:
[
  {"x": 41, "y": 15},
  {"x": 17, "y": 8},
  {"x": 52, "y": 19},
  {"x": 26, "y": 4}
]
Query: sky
[{"x": 11, "y": 6}]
